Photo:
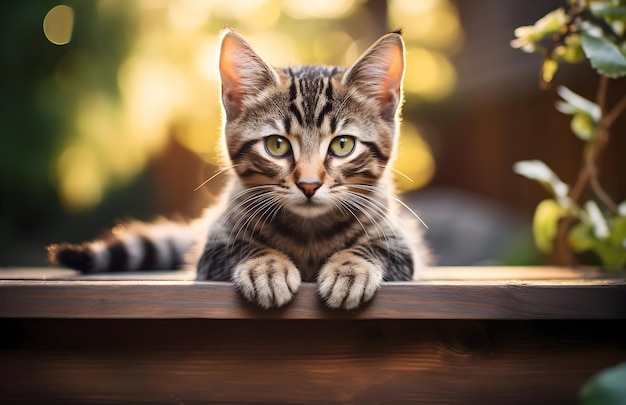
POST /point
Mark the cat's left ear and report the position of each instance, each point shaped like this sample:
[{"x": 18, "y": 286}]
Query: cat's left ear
[
  {"x": 243, "y": 72},
  {"x": 378, "y": 73}
]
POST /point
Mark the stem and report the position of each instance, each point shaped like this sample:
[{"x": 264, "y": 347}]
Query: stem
[
  {"x": 610, "y": 118},
  {"x": 601, "y": 96},
  {"x": 588, "y": 174},
  {"x": 600, "y": 141},
  {"x": 602, "y": 195}
]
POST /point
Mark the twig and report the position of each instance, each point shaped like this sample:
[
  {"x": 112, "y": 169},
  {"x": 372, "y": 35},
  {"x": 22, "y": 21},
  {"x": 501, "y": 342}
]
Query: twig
[
  {"x": 610, "y": 118},
  {"x": 602, "y": 195},
  {"x": 588, "y": 174},
  {"x": 601, "y": 96},
  {"x": 600, "y": 141}
]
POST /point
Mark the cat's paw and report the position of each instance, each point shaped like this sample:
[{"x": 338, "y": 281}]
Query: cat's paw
[
  {"x": 348, "y": 280},
  {"x": 270, "y": 280}
]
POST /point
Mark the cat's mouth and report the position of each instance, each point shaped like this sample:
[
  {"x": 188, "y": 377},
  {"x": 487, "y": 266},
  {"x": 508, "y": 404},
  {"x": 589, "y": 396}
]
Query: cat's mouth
[{"x": 310, "y": 208}]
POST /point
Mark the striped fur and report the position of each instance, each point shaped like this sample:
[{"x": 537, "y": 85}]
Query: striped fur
[{"x": 310, "y": 196}]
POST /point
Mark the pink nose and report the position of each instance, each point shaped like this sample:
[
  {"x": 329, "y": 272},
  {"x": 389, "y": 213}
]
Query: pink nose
[{"x": 309, "y": 188}]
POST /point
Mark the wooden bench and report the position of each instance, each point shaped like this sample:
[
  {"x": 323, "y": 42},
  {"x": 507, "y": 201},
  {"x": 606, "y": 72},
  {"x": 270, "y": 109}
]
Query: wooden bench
[{"x": 460, "y": 335}]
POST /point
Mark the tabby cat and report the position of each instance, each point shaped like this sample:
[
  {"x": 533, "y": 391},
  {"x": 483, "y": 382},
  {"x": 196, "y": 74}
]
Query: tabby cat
[{"x": 310, "y": 196}]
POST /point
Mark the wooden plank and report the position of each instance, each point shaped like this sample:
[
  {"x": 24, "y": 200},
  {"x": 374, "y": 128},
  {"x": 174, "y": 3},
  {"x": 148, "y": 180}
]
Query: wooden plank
[
  {"x": 302, "y": 362},
  {"x": 53, "y": 273},
  {"x": 490, "y": 273},
  {"x": 556, "y": 299},
  {"x": 460, "y": 335},
  {"x": 437, "y": 273}
]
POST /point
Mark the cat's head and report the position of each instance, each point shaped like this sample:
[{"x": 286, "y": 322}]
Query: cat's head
[{"x": 313, "y": 133}]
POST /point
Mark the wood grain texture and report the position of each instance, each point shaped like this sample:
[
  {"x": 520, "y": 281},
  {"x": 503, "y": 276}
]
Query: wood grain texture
[
  {"x": 458, "y": 336},
  {"x": 436, "y": 273},
  {"x": 307, "y": 362},
  {"x": 556, "y": 299}
]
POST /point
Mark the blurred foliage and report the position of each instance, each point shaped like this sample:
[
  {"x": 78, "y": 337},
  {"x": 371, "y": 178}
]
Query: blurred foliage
[
  {"x": 593, "y": 30},
  {"x": 605, "y": 388},
  {"x": 92, "y": 91},
  {"x": 37, "y": 111}
]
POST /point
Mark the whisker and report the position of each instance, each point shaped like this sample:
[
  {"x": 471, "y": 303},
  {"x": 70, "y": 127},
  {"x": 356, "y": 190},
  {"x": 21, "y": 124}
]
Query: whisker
[
  {"x": 238, "y": 206},
  {"x": 376, "y": 208},
  {"x": 270, "y": 210},
  {"x": 243, "y": 221},
  {"x": 270, "y": 218},
  {"x": 260, "y": 208},
  {"x": 402, "y": 174},
  {"x": 215, "y": 175},
  {"x": 247, "y": 213},
  {"x": 391, "y": 195},
  {"x": 250, "y": 215},
  {"x": 365, "y": 204},
  {"x": 348, "y": 208}
]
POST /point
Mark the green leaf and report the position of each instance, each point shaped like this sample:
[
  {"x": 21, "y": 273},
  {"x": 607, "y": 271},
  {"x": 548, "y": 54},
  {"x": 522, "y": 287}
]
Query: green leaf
[
  {"x": 608, "y": 10},
  {"x": 571, "y": 52},
  {"x": 618, "y": 232},
  {"x": 610, "y": 244},
  {"x": 610, "y": 250},
  {"x": 605, "y": 56},
  {"x": 586, "y": 113},
  {"x": 529, "y": 36},
  {"x": 550, "y": 23},
  {"x": 582, "y": 126},
  {"x": 621, "y": 209},
  {"x": 611, "y": 256},
  {"x": 545, "y": 224},
  {"x": 580, "y": 237},
  {"x": 597, "y": 220},
  {"x": 576, "y": 104},
  {"x": 539, "y": 171},
  {"x": 605, "y": 388}
]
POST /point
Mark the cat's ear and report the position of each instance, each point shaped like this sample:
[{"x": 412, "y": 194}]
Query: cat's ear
[
  {"x": 378, "y": 73},
  {"x": 243, "y": 72}
]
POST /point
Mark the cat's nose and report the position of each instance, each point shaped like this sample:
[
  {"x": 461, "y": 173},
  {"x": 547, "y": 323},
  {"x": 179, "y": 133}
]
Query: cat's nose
[{"x": 309, "y": 188}]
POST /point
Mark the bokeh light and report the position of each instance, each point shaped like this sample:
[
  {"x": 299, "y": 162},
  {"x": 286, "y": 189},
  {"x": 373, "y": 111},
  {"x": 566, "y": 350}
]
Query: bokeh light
[
  {"x": 428, "y": 74},
  {"x": 433, "y": 23},
  {"x": 80, "y": 177},
  {"x": 317, "y": 8},
  {"x": 415, "y": 165},
  {"x": 432, "y": 30},
  {"x": 58, "y": 25}
]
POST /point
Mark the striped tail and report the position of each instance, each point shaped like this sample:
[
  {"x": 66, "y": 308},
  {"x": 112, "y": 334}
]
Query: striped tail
[{"x": 135, "y": 246}]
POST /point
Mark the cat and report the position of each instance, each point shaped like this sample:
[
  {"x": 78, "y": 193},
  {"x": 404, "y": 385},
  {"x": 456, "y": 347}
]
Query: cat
[{"x": 310, "y": 194}]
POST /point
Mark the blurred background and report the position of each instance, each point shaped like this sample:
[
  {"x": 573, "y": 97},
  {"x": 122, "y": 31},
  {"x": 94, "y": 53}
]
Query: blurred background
[{"x": 110, "y": 111}]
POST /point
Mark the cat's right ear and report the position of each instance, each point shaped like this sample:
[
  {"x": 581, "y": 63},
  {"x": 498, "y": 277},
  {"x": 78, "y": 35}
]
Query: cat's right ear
[{"x": 243, "y": 72}]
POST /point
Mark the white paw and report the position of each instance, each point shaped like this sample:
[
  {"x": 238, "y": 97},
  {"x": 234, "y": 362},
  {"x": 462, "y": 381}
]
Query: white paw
[
  {"x": 347, "y": 280},
  {"x": 270, "y": 280}
]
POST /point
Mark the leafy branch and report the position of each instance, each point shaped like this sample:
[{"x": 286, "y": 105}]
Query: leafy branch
[{"x": 593, "y": 30}]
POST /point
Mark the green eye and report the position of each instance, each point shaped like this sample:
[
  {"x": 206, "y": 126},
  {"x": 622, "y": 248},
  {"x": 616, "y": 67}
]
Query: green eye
[
  {"x": 277, "y": 146},
  {"x": 342, "y": 145}
]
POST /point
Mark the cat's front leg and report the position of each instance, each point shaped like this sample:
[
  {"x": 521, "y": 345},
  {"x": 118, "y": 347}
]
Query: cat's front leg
[
  {"x": 269, "y": 279},
  {"x": 348, "y": 280}
]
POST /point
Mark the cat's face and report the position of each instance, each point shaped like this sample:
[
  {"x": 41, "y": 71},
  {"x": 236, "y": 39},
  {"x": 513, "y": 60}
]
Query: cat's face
[{"x": 312, "y": 136}]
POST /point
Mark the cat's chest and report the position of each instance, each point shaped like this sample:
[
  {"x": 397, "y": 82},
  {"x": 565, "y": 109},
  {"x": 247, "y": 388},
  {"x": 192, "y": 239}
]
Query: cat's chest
[
  {"x": 308, "y": 242},
  {"x": 309, "y": 258}
]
